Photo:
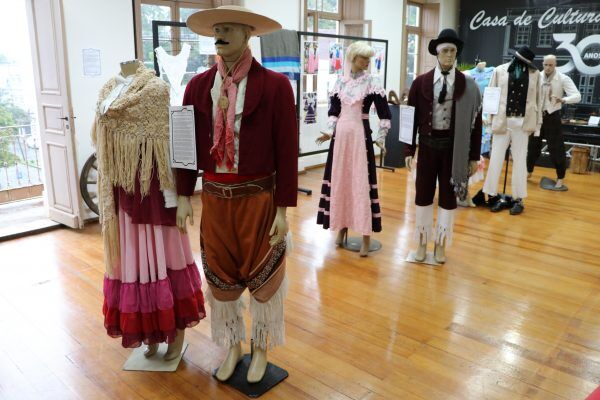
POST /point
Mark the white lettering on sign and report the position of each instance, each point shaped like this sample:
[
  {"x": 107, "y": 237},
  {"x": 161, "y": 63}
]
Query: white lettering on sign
[
  {"x": 481, "y": 20},
  {"x": 550, "y": 17}
]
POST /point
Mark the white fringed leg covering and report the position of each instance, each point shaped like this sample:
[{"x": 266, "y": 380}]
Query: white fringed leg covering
[
  {"x": 268, "y": 326},
  {"x": 424, "y": 223},
  {"x": 226, "y": 320},
  {"x": 445, "y": 226}
]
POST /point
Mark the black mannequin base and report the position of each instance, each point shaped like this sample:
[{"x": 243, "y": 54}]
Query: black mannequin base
[{"x": 273, "y": 376}]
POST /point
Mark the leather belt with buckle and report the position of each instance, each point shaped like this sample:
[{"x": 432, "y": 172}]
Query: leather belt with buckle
[{"x": 227, "y": 191}]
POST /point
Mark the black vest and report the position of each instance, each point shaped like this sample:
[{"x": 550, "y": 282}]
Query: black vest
[{"x": 516, "y": 98}]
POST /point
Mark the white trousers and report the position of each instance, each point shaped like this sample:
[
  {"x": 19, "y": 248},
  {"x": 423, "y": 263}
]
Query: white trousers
[{"x": 518, "y": 140}]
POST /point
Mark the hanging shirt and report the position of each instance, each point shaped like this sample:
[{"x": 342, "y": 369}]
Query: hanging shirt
[
  {"x": 442, "y": 113},
  {"x": 215, "y": 94},
  {"x": 482, "y": 77}
]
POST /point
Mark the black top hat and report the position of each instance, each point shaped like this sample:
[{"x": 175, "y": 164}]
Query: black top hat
[
  {"x": 446, "y": 36},
  {"x": 524, "y": 54}
]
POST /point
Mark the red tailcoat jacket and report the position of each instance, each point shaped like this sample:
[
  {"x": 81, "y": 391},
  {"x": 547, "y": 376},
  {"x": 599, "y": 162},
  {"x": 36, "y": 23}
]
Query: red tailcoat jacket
[
  {"x": 421, "y": 97},
  {"x": 268, "y": 137}
]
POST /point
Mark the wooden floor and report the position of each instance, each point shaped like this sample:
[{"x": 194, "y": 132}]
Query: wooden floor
[{"x": 514, "y": 313}]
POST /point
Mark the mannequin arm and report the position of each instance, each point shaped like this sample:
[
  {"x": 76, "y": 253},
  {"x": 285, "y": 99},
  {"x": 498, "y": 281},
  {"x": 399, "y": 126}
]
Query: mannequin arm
[
  {"x": 184, "y": 210},
  {"x": 472, "y": 167},
  {"x": 279, "y": 228}
]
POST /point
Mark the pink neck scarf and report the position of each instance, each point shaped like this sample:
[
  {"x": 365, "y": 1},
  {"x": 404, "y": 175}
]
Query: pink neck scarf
[{"x": 224, "y": 134}]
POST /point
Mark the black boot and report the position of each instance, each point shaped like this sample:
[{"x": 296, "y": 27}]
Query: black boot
[{"x": 493, "y": 200}]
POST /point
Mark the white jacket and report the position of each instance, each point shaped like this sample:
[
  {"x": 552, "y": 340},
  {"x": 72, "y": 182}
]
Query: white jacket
[
  {"x": 560, "y": 84},
  {"x": 532, "y": 121}
]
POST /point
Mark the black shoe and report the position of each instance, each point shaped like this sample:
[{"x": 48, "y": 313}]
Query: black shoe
[
  {"x": 517, "y": 208},
  {"x": 479, "y": 199},
  {"x": 493, "y": 200},
  {"x": 498, "y": 206}
]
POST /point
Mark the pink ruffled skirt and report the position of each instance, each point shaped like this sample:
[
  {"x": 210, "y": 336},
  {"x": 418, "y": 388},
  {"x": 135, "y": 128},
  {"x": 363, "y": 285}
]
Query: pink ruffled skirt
[{"x": 155, "y": 289}]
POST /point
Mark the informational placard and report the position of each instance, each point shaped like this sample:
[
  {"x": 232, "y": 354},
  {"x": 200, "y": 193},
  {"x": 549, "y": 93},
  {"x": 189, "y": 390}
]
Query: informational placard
[
  {"x": 92, "y": 65},
  {"x": 407, "y": 121},
  {"x": 594, "y": 120},
  {"x": 491, "y": 100},
  {"x": 183, "y": 137}
]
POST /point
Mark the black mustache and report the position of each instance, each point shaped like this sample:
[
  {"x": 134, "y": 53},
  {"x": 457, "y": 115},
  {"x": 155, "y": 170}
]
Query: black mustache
[{"x": 219, "y": 41}]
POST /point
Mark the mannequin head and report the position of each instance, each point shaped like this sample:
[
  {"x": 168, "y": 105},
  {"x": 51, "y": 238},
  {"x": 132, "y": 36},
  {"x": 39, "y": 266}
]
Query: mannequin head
[
  {"x": 549, "y": 64},
  {"x": 231, "y": 40},
  {"x": 481, "y": 65},
  {"x": 359, "y": 56},
  {"x": 446, "y": 55}
]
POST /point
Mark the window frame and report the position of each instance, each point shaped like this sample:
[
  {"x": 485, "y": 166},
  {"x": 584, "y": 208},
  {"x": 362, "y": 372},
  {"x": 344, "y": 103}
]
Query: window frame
[
  {"x": 175, "y": 6},
  {"x": 315, "y": 15}
]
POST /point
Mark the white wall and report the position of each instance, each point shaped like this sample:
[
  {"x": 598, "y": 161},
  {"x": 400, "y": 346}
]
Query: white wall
[
  {"x": 449, "y": 14},
  {"x": 387, "y": 17},
  {"x": 106, "y": 25},
  {"x": 286, "y": 12}
]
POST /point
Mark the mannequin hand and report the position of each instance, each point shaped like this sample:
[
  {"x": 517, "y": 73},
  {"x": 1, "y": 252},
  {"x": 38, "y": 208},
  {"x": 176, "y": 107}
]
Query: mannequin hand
[
  {"x": 381, "y": 145},
  {"x": 557, "y": 99},
  {"x": 279, "y": 228},
  {"x": 408, "y": 161},
  {"x": 184, "y": 210},
  {"x": 323, "y": 138},
  {"x": 536, "y": 133},
  {"x": 472, "y": 167}
]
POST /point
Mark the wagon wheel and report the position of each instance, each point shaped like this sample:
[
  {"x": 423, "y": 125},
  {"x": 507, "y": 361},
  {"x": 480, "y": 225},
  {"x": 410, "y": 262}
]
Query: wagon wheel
[{"x": 88, "y": 183}]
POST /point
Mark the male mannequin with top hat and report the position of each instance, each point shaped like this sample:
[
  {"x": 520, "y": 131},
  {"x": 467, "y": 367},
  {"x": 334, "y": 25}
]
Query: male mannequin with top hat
[
  {"x": 448, "y": 121},
  {"x": 519, "y": 115},
  {"x": 246, "y": 144}
]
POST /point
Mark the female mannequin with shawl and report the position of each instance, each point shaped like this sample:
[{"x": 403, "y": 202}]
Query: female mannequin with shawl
[
  {"x": 349, "y": 197},
  {"x": 152, "y": 288}
]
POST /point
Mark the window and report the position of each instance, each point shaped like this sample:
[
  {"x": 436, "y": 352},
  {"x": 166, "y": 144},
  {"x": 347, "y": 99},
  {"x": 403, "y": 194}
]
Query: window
[
  {"x": 567, "y": 28},
  {"x": 327, "y": 13},
  {"x": 171, "y": 39},
  {"x": 412, "y": 57},
  {"x": 523, "y": 34},
  {"x": 586, "y": 87},
  {"x": 592, "y": 29},
  {"x": 545, "y": 37},
  {"x": 413, "y": 42}
]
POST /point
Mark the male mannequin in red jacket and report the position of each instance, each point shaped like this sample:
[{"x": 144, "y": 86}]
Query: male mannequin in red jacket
[
  {"x": 448, "y": 120},
  {"x": 246, "y": 144}
]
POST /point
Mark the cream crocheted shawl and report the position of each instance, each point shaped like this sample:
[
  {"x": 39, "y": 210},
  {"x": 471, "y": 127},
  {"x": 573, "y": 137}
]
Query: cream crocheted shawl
[{"x": 130, "y": 138}]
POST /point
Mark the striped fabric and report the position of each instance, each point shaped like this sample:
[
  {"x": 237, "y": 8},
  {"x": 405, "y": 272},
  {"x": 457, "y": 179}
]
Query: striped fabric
[
  {"x": 280, "y": 52},
  {"x": 289, "y": 66}
]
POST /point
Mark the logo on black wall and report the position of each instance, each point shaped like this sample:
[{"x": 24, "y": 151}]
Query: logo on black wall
[{"x": 578, "y": 53}]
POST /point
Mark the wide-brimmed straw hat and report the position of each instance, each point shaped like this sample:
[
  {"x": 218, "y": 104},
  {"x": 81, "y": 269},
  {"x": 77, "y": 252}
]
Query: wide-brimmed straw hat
[{"x": 202, "y": 21}]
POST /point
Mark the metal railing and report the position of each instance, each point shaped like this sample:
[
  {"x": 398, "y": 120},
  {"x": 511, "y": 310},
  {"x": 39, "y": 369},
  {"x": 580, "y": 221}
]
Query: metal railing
[{"x": 20, "y": 160}]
